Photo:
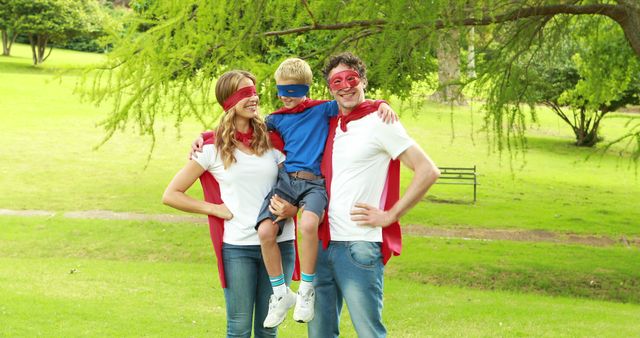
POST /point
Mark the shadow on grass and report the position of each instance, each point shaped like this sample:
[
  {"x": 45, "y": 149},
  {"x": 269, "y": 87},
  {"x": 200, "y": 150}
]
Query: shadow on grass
[
  {"x": 435, "y": 199},
  {"x": 566, "y": 147},
  {"x": 17, "y": 65}
]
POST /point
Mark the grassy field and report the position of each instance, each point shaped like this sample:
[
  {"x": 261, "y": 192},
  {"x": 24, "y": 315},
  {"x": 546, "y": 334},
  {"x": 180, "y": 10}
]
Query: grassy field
[
  {"x": 64, "y": 277},
  {"x": 61, "y": 277}
]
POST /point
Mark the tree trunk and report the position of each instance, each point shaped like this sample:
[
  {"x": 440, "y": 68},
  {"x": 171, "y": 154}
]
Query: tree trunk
[
  {"x": 630, "y": 23},
  {"x": 587, "y": 138},
  {"x": 448, "y": 53},
  {"x": 471, "y": 54},
  {"x": 38, "y": 48},
  {"x": 586, "y": 132},
  {"x": 6, "y": 50},
  {"x": 34, "y": 54}
]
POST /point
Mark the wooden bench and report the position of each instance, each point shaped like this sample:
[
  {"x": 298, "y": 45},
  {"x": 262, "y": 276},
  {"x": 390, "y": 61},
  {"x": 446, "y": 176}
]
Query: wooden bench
[{"x": 458, "y": 175}]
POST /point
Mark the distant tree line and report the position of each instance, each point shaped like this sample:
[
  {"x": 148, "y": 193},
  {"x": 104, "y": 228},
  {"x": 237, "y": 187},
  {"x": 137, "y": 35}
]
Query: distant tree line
[{"x": 71, "y": 24}]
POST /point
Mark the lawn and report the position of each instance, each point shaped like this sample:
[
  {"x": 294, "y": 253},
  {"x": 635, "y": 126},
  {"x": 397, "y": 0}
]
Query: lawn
[
  {"x": 68, "y": 278},
  {"x": 65, "y": 277}
]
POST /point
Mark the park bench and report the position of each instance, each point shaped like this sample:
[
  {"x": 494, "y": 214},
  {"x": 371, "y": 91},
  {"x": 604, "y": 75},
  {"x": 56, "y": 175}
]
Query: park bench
[{"x": 459, "y": 175}]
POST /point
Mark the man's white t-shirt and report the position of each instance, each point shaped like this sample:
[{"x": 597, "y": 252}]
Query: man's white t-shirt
[
  {"x": 243, "y": 187},
  {"x": 360, "y": 161}
]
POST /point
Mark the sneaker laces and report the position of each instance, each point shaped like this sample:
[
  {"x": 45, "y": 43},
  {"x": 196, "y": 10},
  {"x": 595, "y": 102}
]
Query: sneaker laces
[
  {"x": 307, "y": 296},
  {"x": 273, "y": 302}
]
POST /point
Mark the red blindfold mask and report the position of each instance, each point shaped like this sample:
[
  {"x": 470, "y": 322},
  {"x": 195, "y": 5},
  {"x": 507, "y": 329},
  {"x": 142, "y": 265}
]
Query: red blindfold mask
[
  {"x": 344, "y": 79},
  {"x": 236, "y": 97}
]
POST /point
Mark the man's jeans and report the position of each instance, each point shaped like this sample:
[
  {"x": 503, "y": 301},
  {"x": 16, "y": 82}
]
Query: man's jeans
[
  {"x": 353, "y": 271},
  {"x": 248, "y": 287}
]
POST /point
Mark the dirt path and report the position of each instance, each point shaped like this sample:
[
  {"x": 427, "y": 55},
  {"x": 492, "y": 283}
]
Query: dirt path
[{"x": 410, "y": 230}]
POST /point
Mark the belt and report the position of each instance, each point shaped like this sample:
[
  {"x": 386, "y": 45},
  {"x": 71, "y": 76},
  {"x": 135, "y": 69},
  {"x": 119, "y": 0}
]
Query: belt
[{"x": 305, "y": 175}]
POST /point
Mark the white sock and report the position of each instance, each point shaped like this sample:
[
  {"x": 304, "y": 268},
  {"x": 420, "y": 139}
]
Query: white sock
[
  {"x": 304, "y": 286},
  {"x": 280, "y": 290}
]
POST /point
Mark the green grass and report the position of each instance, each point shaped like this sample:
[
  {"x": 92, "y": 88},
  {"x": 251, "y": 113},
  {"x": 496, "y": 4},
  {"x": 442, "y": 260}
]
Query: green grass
[
  {"x": 607, "y": 273},
  {"x": 61, "y": 277},
  {"x": 134, "y": 278}
]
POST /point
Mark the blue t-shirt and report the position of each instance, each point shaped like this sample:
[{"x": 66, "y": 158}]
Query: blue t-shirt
[{"x": 304, "y": 135}]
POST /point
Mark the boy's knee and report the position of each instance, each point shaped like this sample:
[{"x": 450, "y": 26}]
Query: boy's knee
[
  {"x": 308, "y": 226},
  {"x": 267, "y": 231}
]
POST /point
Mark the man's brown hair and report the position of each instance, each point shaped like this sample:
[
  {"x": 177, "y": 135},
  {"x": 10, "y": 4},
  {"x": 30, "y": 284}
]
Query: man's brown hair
[{"x": 348, "y": 60}]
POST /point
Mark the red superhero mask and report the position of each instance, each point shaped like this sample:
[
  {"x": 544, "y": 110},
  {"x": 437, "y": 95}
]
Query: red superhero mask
[
  {"x": 236, "y": 97},
  {"x": 344, "y": 79}
]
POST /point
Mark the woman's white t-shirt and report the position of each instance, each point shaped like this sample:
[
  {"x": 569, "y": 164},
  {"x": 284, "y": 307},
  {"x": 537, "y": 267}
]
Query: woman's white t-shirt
[{"x": 243, "y": 187}]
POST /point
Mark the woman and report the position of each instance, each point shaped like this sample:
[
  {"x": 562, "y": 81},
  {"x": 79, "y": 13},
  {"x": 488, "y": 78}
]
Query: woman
[{"x": 245, "y": 167}]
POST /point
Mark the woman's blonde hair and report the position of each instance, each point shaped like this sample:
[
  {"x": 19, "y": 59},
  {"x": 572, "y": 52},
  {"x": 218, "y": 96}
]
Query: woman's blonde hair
[{"x": 226, "y": 142}]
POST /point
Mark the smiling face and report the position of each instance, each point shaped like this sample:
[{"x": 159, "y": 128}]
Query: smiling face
[
  {"x": 347, "y": 97},
  {"x": 289, "y": 101},
  {"x": 247, "y": 108}
]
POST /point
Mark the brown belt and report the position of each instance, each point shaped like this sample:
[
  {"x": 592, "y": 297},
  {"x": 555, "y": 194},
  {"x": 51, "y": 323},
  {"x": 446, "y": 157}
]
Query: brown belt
[{"x": 305, "y": 175}]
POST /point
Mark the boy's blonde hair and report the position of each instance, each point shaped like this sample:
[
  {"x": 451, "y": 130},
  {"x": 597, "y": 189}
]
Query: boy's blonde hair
[{"x": 294, "y": 69}]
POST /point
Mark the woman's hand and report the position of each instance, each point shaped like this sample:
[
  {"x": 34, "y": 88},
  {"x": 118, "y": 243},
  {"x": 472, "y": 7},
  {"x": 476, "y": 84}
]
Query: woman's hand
[
  {"x": 282, "y": 208},
  {"x": 196, "y": 147},
  {"x": 386, "y": 113},
  {"x": 221, "y": 211}
]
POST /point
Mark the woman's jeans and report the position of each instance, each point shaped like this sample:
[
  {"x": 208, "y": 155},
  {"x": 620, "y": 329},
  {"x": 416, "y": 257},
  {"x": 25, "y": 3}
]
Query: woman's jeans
[
  {"x": 352, "y": 271},
  {"x": 249, "y": 289}
]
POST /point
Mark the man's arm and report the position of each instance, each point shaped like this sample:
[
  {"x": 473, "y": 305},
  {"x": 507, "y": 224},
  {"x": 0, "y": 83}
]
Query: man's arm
[{"x": 425, "y": 175}]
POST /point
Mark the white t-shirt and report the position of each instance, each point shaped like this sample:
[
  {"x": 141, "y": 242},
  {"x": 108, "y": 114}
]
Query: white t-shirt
[
  {"x": 360, "y": 160},
  {"x": 243, "y": 187}
]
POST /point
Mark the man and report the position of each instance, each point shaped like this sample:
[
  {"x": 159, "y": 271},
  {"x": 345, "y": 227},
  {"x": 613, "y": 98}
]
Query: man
[{"x": 363, "y": 185}]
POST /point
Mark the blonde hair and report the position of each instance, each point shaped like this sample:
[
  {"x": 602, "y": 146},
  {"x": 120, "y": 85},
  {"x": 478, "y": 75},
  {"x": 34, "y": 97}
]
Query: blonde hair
[
  {"x": 294, "y": 69},
  {"x": 226, "y": 142}
]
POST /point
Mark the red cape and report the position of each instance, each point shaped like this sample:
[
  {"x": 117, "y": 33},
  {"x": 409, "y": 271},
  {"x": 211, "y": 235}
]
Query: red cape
[
  {"x": 211, "y": 190},
  {"x": 391, "y": 235},
  {"x": 300, "y": 107}
]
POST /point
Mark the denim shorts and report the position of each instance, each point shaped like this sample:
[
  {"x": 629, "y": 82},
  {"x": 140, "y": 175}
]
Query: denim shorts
[{"x": 308, "y": 193}]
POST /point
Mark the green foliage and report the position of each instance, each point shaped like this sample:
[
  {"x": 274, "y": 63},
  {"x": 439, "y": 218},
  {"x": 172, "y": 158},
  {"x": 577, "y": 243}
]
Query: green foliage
[
  {"x": 609, "y": 72},
  {"x": 168, "y": 60},
  {"x": 107, "y": 21},
  {"x": 580, "y": 64},
  {"x": 6, "y": 14},
  {"x": 58, "y": 21}
]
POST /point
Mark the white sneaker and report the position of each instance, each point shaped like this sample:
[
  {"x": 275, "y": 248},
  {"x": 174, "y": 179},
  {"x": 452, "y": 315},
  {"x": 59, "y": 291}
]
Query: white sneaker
[
  {"x": 278, "y": 308},
  {"x": 305, "y": 304}
]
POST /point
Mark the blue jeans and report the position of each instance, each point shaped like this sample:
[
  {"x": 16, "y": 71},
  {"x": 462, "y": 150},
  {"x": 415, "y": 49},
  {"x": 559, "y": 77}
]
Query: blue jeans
[
  {"x": 352, "y": 271},
  {"x": 248, "y": 287}
]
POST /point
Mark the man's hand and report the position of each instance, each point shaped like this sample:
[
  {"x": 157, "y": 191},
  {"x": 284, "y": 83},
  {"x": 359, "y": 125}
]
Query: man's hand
[
  {"x": 281, "y": 208},
  {"x": 196, "y": 147},
  {"x": 367, "y": 215},
  {"x": 386, "y": 113}
]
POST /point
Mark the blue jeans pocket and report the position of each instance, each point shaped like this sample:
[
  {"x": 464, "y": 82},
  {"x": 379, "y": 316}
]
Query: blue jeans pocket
[{"x": 366, "y": 255}]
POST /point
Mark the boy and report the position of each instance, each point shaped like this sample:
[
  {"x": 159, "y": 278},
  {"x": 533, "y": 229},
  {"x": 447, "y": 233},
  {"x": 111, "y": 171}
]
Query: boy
[{"x": 303, "y": 125}]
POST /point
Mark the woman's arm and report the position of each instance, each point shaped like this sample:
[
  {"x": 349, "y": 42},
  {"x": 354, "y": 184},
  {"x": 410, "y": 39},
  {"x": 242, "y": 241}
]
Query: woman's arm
[{"x": 174, "y": 196}]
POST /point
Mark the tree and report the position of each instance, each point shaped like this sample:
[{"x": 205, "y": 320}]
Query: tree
[
  {"x": 53, "y": 20},
  {"x": 7, "y": 29},
  {"x": 584, "y": 77},
  {"x": 168, "y": 60}
]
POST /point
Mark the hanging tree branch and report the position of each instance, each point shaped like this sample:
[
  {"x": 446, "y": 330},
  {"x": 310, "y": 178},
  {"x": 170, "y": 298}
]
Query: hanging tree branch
[{"x": 626, "y": 15}]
